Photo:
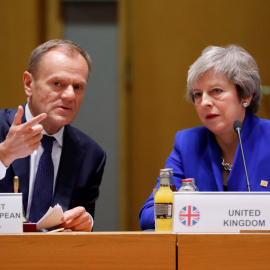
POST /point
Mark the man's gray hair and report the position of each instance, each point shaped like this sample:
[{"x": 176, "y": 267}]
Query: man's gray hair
[{"x": 42, "y": 49}]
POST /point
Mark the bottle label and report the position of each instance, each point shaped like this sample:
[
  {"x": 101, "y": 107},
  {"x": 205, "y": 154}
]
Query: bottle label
[{"x": 163, "y": 210}]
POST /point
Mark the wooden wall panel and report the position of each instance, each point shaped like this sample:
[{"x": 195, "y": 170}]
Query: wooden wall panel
[
  {"x": 24, "y": 25},
  {"x": 18, "y": 31}
]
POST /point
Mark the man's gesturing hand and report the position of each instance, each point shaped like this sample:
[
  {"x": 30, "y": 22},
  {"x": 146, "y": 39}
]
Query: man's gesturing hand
[{"x": 22, "y": 139}]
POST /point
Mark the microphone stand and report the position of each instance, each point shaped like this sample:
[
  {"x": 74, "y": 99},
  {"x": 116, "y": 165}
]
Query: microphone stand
[{"x": 238, "y": 132}]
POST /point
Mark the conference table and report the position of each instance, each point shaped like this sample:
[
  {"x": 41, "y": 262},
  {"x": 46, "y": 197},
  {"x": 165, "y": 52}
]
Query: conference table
[{"x": 134, "y": 250}]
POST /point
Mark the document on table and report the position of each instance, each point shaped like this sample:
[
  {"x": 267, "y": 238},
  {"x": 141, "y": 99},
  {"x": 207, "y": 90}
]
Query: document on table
[{"x": 51, "y": 218}]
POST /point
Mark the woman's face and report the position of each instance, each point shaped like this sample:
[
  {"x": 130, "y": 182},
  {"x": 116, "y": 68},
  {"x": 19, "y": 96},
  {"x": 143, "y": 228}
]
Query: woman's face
[{"x": 217, "y": 103}]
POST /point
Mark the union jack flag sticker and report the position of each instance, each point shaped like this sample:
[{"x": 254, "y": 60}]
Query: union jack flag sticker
[{"x": 189, "y": 215}]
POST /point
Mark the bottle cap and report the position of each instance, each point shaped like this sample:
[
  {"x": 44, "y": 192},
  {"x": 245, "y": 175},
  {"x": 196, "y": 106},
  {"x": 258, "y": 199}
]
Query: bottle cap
[
  {"x": 167, "y": 170},
  {"x": 187, "y": 180}
]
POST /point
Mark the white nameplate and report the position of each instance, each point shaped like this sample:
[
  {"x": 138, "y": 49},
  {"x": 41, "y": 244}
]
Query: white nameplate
[
  {"x": 11, "y": 213},
  {"x": 215, "y": 212}
]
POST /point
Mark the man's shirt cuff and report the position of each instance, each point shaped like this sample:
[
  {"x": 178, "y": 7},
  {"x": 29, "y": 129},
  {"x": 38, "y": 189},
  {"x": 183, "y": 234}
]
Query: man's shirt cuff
[{"x": 3, "y": 170}]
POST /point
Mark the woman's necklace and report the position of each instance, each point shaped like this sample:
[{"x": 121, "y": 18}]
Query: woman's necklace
[{"x": 226, "y": 166}]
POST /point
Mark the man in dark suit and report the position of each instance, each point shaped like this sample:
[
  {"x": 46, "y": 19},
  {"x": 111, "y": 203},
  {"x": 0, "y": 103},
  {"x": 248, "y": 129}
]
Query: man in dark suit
[{"x": 54, "y": 84}]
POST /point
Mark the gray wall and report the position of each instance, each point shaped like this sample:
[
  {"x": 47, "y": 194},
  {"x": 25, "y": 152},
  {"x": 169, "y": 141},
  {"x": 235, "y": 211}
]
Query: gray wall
[{"x": 93, "y": 26}]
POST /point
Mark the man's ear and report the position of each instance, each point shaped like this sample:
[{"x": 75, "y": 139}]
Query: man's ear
[{"x": 28, "y": 83}]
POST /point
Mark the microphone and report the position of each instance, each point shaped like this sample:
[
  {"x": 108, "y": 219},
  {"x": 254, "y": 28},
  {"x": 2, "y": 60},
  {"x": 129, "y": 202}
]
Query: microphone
[{"x": 237, "y": 126}]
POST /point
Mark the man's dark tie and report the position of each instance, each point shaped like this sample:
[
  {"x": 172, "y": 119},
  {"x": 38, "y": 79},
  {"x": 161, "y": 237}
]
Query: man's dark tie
[{"x": 43, "y": 187}]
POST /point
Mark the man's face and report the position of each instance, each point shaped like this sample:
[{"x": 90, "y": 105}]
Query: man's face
[{"x": 58, "y": 88}]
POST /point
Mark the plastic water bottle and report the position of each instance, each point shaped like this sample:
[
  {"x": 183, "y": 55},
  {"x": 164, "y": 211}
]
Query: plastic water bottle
[
  {"x": 193, "y": 182},
  {"x": 187, "y": 185}
]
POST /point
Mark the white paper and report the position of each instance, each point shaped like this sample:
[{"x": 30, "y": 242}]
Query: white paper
[{"x": 52, "y": 218}]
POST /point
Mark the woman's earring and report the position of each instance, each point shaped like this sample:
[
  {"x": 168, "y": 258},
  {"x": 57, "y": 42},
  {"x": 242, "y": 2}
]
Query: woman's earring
[{"x": 245, "y": 104}]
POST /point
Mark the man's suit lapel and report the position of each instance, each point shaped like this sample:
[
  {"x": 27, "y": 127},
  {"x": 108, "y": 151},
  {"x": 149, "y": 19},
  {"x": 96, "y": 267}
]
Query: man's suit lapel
[
  {"x": 21, "y": 169},
  {"x": 21, "y": 166},
  {"x": 68, "y": 168}
]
